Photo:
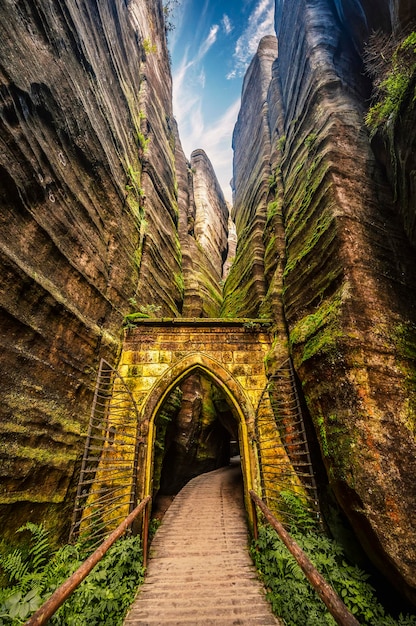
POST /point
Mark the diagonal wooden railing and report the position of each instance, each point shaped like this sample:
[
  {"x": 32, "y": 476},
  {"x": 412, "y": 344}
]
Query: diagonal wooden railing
[
  {"x": 333, "y": 602},
  {"x": 63, "y": 592}
]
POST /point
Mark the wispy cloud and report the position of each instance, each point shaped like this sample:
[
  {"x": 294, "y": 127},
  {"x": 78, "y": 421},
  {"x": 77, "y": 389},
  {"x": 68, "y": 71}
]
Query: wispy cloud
[
  {"x": 226, "y": 24},
  {"x": 260, "y": 24},
  {"x": 191, "y": 98},
  {"x": 202, "y": 78},
  {"x": 214, "y": 138},
  {"x": 216, "y": 142},
  {"x": 209, "y": 42}
]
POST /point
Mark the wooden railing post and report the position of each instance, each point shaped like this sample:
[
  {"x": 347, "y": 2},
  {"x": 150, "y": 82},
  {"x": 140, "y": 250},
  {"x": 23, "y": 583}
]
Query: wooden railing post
[
  {"x": 255, "y": 521},
  {"x": 64, "y": 591},
  {"x": 333, "y": 602},
  {"x": 146, "y": 522}
]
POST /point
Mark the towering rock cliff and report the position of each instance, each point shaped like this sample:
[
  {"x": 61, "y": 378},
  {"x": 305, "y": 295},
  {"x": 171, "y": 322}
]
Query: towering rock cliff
[
  {"x": 336, "y": 249},
  {"x": 87, "y": 202},
  {"x": 245, "y": 287},
  {"x": 90, "y": 182},
  {"x": 203, "y": 229}
]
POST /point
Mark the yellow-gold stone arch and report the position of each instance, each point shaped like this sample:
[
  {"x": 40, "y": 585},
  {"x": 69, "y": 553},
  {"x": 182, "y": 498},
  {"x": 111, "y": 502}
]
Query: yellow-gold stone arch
[
  {"x": 242, "y": 408},
  {"x": 158, "y": 354}
]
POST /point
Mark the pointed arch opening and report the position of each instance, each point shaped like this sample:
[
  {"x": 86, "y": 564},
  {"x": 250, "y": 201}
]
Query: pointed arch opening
[{"x": 237, "y": 400}]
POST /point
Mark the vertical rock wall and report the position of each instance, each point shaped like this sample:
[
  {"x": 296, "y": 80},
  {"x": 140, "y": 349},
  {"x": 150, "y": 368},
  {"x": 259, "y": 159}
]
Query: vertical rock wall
[
  {"x": 99, "y": 218},
  {"x": 88, "y": 216},
  {"x": 349, "y": 290},
  {"x": 203, "y": 232},
  {"x": 245, "y": 287}
]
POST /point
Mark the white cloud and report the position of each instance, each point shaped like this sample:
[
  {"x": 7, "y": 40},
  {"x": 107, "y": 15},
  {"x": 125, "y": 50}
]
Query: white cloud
[
  {"x": 260, "y": 24},
  {"x": 209, "y": 42},
  {"x": 190, "y": 99},
  {"x": 202, "y": 78},
  {"x": 215, "y": 138},
  {"x": 216, "y": 142},
  {"x": 226, "y": 24}
]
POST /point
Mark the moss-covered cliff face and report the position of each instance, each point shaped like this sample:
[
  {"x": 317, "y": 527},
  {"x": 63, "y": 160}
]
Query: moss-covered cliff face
[
  {"x": 87, "y": 201},
  {"x": 90, "y": 187},
  {"x": 344, "y": 265},
  {"x": 245, "y": 286}
]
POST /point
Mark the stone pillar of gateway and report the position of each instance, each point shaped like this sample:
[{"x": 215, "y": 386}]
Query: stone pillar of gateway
[{"x": 158, "y": 354}]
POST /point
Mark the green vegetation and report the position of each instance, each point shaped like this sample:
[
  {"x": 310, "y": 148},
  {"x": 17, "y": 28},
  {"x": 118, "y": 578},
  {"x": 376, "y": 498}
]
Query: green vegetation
[
  {"x": 292, "y": 597},
  {"x": 135, "y": 194},
  {"x": 142, "y": 141},
  {"x": 404, "y": 338},
  {"x": 393, "y": 86},
  {"x": 272, "y": 210},
  {"x": 320, "y": 330},
  {"x": 180, "y": 284},
  {"x": 168, "y": 11},
  {"x": 310, "y": 140},
  {"x": 238, "y": 288},
  {"x": 145, "y": 311},
  {"x": 272, "y": 182},
  {"x": 148, "y": 47},
  {"x": 281, "y": 143},
  {"x": 34, "y": 571}
]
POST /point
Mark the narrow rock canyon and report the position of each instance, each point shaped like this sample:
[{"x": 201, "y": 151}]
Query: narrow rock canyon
[{"x": 103, "y": 216}]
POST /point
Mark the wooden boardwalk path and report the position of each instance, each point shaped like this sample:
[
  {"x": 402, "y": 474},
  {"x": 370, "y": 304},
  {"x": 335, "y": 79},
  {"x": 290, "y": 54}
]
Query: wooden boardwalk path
[{"x": 199, "y": 570}]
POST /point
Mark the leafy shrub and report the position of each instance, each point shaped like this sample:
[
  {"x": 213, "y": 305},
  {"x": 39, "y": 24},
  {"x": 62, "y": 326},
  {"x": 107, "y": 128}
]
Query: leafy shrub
[
  {"x": 292, "y": 597},
  {"x": 102, "y": 598}
]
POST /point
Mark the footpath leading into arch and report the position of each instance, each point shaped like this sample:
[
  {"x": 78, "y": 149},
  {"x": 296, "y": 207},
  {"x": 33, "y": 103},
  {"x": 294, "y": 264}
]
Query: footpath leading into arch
[{"x": 200, "y": 571}]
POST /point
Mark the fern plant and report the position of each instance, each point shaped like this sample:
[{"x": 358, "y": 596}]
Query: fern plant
[
  {"x": 292, "y": 597},
  {"x": 102, "y": 598}
]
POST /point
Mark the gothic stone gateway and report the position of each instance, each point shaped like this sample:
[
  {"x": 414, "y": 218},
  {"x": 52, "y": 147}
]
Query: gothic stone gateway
[{"x": 158, "y": 353}]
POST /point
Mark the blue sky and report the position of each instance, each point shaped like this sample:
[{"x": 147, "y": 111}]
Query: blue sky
[{"x": 211, "y": 48}]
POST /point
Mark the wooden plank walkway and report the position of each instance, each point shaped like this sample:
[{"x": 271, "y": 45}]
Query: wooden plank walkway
[{"x": 200, "y": 571}]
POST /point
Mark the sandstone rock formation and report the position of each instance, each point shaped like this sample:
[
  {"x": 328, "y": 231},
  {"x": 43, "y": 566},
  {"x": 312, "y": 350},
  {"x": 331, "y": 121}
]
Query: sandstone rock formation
[
  {"x": 245, "y": 286},
  {"x": 93, "y": 189},
  {"x": 102, "y": 212},
  {"x": 203, "y": 228},
  {"x": 345, "y": 259}
]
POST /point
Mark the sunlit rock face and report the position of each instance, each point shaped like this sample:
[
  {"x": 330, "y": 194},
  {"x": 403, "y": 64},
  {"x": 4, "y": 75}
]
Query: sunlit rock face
[
  {"x": 245, "y": 287},
  {"x": 348, "y": 268},
  {"x": 203, "y": 231},
  {"x": 89, "y": 221}
]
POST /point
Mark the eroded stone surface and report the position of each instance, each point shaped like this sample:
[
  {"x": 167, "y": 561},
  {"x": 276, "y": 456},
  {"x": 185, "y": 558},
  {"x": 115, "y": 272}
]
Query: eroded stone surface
[
  {"x": 245, "y": 286},
  {"x": 203, "y": 230},
  {"x": 348, "y": 270}
]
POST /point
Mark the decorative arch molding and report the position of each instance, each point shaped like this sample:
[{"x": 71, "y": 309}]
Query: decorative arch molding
[
  {"x": 243, "y": 409},
  {"x": 182, "y": 369}
]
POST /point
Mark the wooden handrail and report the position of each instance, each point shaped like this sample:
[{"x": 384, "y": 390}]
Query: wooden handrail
[
  {"x": 333, "y": 602},
  {"x": 64, "y": 591}
]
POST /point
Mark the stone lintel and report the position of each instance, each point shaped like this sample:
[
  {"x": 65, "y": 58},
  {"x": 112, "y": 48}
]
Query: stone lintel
[{"x": 251, "y": 324}]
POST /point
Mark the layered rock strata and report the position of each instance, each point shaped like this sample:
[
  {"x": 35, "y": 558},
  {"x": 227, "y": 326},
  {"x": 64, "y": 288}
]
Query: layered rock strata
[
  {"x": 89, "y": 221},
  {"x": 203, "y": 232},
  {"x": 349, "y": 291},
  {"x": 245, "y": 287},
  {"x": 96, "y": 203}
]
